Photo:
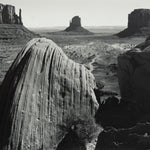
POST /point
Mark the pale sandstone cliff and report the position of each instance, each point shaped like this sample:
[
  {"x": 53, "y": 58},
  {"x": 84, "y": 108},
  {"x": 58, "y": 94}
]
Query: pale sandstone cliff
[{"x": 40, "y": 89}]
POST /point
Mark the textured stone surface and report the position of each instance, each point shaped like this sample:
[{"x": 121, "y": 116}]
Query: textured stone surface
[
  {"x": 138, "y": 23},
  {"x": 8, "y": 15},
  {"x": 40, "y": 89},
  {"x": 75, "y": 26}
]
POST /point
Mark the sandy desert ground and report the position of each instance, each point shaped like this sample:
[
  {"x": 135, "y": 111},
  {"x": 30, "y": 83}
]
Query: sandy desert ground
[{"x": 97, "y": 52}]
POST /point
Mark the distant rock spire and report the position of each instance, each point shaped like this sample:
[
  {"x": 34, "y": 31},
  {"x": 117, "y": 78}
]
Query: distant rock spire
[
  {"x": 20, "y": 16},
  {"x": 75, "y": 26}
]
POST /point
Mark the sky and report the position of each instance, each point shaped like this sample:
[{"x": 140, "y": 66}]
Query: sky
[{"x": 51, "y": 13}]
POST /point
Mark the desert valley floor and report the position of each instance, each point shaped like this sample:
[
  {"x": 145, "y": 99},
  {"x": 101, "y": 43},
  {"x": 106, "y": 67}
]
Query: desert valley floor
[{"x": 98, "y": 52}]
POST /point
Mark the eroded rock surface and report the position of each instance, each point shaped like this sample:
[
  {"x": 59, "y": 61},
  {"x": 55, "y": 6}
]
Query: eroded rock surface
[{"x": 40, "y": 89}]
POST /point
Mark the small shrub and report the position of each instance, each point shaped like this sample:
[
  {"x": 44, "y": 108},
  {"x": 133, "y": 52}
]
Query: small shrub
[{"x": 83, "y": 126}]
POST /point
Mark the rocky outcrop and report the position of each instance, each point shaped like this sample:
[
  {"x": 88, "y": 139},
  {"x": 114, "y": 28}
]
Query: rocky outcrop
[
  {"x": 135, "y": 138},
  {"x": 144, "y": 45},
  {"x": 40, "y": 89},
  {"x": 126, "y": 121},
  {"x": 138, "y": 23},
  {"x": 75, "y": 26},
  {"x": 8, "y": 15},
  {"x": 134, "y": 81},
  {"x": 116, "y": 113},
  {"x": 11, "y": 26}
]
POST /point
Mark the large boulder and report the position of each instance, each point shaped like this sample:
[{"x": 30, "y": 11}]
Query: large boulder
[
  {"x": 42, "y": 87},
  {"x": 116, "y": 113},
  {"x": 134, "y": 79},
  {"x": 138, "y": 23}
]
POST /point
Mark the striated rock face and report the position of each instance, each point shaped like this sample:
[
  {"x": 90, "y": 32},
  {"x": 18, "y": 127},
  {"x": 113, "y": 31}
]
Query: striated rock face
[
  {"x": 75, "y": 26},
  {"x": 8, "y": 15},
  {"x": 40, "y": 89},
  {"x": 138, "y": 23}
]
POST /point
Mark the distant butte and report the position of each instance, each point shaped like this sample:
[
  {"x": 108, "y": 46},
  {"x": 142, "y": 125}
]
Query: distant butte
[
  {"x": 138, "y": 23},
  {"x": 11, "y": 25},
  {"x": 9, "y": 16},
  {"x": 75, "y": 26}
]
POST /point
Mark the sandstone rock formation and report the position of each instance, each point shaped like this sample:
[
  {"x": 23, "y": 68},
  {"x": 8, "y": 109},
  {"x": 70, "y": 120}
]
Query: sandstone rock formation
[
  {"x": 40, "y": 89},
  {"x": 11, "y": 26},
  {"x": 75, "y": 26},
  {"x": 75, "y": 23},
  {"x": 8, "y": 15},
  {"x": 138, "y": 23}
]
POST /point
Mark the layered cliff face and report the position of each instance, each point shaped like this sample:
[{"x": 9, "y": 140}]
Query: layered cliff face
[
  {"x": 75, "y": 26},
  {"x": 40, "y": 89},
  {"x": 138, "y": 23},
  {"x": 8, "y": 15}
]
